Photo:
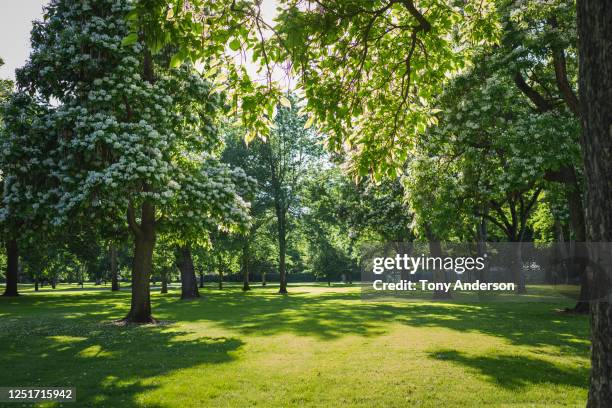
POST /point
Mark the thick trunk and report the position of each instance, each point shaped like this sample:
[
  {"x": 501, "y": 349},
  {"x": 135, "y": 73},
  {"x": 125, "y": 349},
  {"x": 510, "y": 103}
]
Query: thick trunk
[
  {"x": 189, "y": 283},
  {"x": 35, "y": 284},
  {"x": 576, "y": 211},
  {"x": 220, "y": 279},
  {"x": 263, "y": 279},
  {"x": 595, "y": 49},
  {"x": 114, "y": 269},
  {"x": 144, "y": 243},
  {"x": 12, "y": 268}
]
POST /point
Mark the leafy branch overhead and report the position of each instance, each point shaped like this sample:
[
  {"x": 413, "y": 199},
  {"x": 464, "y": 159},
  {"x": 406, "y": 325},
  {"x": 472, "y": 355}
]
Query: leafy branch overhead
[{"x": 367, "y": 69}]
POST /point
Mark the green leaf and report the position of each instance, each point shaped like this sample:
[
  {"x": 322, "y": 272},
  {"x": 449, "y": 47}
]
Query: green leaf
[
  {"x": 129, "y": 39},
  {"x": 234, "y": 44},
  {"x": 176, "y": 60}
]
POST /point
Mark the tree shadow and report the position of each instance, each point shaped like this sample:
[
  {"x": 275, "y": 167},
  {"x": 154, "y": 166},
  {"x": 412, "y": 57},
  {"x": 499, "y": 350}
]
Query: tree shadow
[
  {"x": 516, "y": 371},
  {"x": 108, "y": 364},
  {"x": 329, "y": 315}
]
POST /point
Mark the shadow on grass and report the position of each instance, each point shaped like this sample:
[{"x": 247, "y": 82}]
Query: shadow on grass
[
  {"x": 109, "y": 365},
  {"x": 329, "y": 315},
  {"x": 514, "y": 371}
]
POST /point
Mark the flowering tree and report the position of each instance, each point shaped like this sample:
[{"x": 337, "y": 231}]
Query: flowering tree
[
  {"x": 136, "y": 141},
  {"x": 488, "y": 156}
]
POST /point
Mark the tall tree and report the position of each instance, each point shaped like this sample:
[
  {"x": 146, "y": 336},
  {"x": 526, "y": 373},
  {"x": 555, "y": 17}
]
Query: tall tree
[
  {"x": 134, "y": 138},
  {"x": 595, "y": 48},
  {"x": 287, "y": 151},
  {"x": 10, "y": 243}
]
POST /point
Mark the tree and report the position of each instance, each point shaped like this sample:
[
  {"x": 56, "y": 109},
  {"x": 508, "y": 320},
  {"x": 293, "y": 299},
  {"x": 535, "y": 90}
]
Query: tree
[
  {"x": 326, "y": 222},
  {"x": 287, "y": 151},
  {"x": 25, "y": 173},
  {"x": 249, "y": 158},
  {"x": 595, "y": 43},
  {"x": 135, "y": 139},
  {"x": 10, "y": 244},
  {"x": 184, "y": 262}
]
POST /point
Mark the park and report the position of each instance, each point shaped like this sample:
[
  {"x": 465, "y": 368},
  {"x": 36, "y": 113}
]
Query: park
[{"x": 284, "y": 203}]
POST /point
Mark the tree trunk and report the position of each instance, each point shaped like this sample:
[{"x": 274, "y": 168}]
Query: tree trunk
[
  {"x": 144, "y": 243},
  {"x": 189, "y": 283},
  {"x": 595, "y": 49},
  {"x": 439, "y": 275},
  {"x": 282, "y": 251},
  {"x": 517, "y": 268},
  {"x": 245, "y": 267},
  {"x": 164, "y": 282},
  {"x": 35, "y": 284},
  {"x": 263, "y": 279},
  {"x": 435, "y": 250},
  {"x": 114, "y": 269},
  {"x": 12, "y": 268},
  {"x": 220, "y": 279},
  {"x": 573, "y": 196},
  {"x": 201, "y": 279}
]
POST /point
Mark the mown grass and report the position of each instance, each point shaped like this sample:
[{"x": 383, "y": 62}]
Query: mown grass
[{"x": 317, "y": 346}]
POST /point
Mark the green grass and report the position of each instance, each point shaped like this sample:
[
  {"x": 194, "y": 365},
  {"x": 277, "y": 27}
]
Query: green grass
[{"x": 318, "y": 346}]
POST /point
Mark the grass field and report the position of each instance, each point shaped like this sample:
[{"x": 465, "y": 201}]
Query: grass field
[{"x": 318, "y": 346}]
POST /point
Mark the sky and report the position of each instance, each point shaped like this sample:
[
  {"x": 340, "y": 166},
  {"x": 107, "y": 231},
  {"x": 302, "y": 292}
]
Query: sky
[{"x": 16, "y": 18}]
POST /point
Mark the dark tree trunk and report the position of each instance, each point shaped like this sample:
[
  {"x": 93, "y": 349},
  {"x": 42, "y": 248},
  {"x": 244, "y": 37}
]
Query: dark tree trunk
[
  {"x": 53, "y": 283},
  {"x": 595, "y": 51},
  {"x": 144, "y": 243},
  {"x": 481, "y": 236},
  {"x": 189, "y": 283},
  {"x": 114, "y": 269},
  {"x": 435, "y": 250},
  {"x": 35, "y": 284},
  {"x": 245, "y": 267},
  {"x": 164, "y": 282},
  {"x": 12, "y": 268},
  {"x": 201, "y": 279},
  {"x": 220, "y": 279},
  {"x": 517, "y": 268},
  {"x": 574, "y": 200},
  {"x": 263, "y": 279}
]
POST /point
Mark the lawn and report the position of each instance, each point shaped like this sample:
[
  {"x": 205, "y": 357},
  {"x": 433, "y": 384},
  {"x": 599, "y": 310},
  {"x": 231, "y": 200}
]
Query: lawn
[{"x": 319, "y": 346}]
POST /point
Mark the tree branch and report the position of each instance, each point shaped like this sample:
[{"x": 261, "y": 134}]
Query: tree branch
[
  {"x": 570, "y": 98},
  {"x": 424, "y": 25},
  {"x": 131, "y": 218},
  {"x": 538, "y": 100}
]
